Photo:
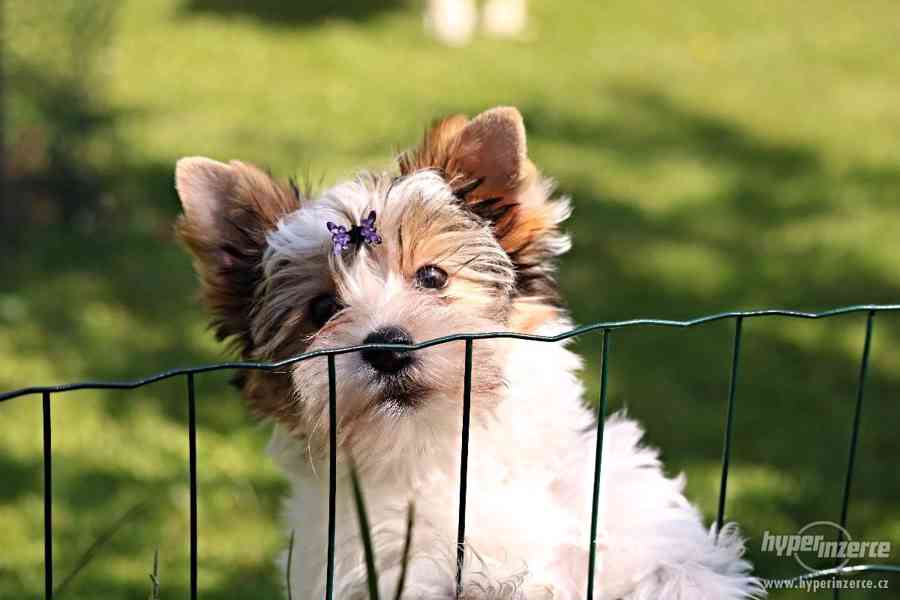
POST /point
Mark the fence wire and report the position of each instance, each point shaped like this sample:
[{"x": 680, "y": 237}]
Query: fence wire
[{"x": 605, "y": 328}]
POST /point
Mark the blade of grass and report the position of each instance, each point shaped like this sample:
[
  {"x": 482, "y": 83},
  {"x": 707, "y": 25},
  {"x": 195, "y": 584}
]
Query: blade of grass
[
  {"x": 154, "y": 577},
  {"x": 410, "y": 520},
  {"x": 290, "y": 559},
  {"x": 98, "y": 544},
  {"x": 365, "y": 533}
]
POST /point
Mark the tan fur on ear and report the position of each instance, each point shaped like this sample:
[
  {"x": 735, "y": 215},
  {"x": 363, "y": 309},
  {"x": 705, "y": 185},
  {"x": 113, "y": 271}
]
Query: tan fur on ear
[
  {"x": 438, "y": 148},
  {"x": 485, "y": 161},
  {"x": 228, "y": 210},
  {"x": 493, "y": 146},
  {"x": 490, "y": 148}
]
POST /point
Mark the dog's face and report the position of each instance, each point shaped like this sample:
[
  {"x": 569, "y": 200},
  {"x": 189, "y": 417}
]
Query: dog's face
[{"x": 468, "y": 240}]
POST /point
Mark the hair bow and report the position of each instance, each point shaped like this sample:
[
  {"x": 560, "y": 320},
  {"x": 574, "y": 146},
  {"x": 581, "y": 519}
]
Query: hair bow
[{"x": 342, "y": 238}]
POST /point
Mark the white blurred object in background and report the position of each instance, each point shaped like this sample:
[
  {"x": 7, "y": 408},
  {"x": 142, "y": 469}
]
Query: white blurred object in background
[
  {"x": 453, "y": 22},
  {"x": 505, "y": 18}
]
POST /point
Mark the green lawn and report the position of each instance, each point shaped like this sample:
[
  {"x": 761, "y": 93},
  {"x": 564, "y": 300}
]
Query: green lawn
[{"x": 720, "y": 155}]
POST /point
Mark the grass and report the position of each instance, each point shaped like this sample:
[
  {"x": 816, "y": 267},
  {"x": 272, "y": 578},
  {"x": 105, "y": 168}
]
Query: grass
[{"x": 719, "y": 156}]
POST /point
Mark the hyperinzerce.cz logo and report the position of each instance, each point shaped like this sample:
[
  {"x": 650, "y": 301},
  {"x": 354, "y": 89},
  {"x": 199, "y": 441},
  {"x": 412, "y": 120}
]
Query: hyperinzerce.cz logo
[{"x": 824, "y": 545}]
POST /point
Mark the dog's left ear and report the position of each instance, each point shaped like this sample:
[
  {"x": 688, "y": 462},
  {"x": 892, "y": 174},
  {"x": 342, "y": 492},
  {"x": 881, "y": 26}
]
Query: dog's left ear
[{"x": 485, "y": 161}]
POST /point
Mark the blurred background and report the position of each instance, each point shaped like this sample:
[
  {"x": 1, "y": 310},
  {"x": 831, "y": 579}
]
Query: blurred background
[{"x": 720, "y": 156}]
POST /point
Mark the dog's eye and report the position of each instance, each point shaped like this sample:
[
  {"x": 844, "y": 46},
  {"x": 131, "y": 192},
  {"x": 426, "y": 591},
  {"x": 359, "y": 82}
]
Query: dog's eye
[
  {"x": 323, "y": 308},
  {"x": 431, "y": 277}
]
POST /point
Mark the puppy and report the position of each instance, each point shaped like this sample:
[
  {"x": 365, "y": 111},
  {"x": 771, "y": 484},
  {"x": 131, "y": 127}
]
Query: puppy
[{"x": 462, "y": 238}]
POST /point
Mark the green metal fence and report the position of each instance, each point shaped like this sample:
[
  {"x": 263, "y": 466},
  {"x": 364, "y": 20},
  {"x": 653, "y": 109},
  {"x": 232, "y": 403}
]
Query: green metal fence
[{"x": 606, "y": 330}]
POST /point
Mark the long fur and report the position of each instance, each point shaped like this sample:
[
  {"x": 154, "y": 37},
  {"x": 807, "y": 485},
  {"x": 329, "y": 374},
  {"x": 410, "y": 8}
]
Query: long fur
[{"x": 468, "y": 201}]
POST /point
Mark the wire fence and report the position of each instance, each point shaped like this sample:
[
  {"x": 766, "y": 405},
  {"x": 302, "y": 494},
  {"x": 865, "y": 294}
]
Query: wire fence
[{"x": 606, "y": 329}]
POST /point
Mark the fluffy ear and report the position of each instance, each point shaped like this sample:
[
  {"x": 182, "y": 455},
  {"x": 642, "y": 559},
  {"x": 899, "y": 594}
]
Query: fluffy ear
[
  {"x": 485, "y": 161},
  {"x": 228, "y": 210}
]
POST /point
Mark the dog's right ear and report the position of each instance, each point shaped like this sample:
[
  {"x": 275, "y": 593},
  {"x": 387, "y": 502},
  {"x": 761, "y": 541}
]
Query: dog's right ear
[{"x": 228, "y": 211}]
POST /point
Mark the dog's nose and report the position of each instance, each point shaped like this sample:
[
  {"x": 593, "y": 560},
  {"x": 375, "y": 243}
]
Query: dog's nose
[{"x": 388, "y": 361}]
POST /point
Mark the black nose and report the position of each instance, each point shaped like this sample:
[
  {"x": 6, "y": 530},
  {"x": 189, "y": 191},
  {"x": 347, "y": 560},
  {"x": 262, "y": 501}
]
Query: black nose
[{"x": 388, "y": 361}]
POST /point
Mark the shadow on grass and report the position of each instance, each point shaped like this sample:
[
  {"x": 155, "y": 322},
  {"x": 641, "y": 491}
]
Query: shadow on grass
[
  {"x": 242, "y": 581},
  {"x": 59, "y": 123},
  {"x": 277, "y": 12}
]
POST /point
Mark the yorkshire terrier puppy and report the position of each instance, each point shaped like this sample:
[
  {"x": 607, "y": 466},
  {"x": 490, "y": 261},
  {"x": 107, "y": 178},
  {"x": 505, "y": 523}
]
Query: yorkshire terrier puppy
[{"x": 462, "y": 238}]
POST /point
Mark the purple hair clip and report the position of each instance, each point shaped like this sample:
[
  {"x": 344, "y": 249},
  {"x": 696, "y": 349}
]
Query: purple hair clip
[{"x": 342, "y": 238}]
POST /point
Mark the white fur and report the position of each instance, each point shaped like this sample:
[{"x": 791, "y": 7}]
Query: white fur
[
  {"x": 532, "y": 446},
  {"x": 528, "y": 512}
]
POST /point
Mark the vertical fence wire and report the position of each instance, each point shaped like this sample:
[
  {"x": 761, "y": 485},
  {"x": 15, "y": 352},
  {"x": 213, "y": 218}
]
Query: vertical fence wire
[
  {"x": 598, "y": 458},
  {"x": 464, "y": 469},
  {"x": 192, "y": 465},
  {"x": 854, "y": 434},
  {"x": 729, "y": 423},
  {"x": 332, "y": 474},
  {"x": 48, "y": 499}
]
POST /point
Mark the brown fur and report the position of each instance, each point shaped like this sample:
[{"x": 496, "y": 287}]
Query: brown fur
[
  {"x": 485, "y": 160},
  {"x": 228, "y": 239},
  {"x": 229, "y": 209}
]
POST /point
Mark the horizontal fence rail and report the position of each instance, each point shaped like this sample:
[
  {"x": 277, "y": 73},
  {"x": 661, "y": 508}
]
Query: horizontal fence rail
[{"x": 469, "y": 338}]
